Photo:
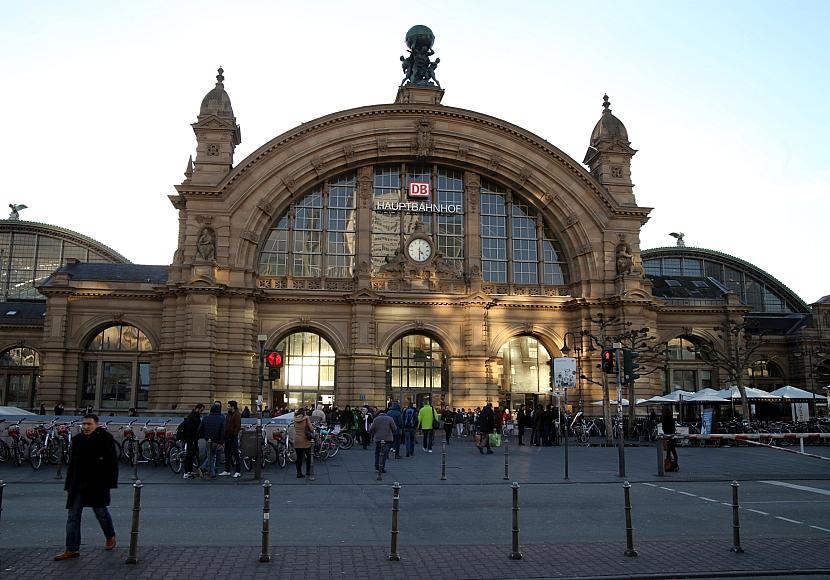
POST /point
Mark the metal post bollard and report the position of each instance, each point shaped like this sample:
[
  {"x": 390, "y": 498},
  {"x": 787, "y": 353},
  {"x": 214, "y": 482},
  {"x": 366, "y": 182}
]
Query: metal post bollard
[
  {"x": 506, "y": 461},
  {"x": 736, "y": 522},
  {"x": 132, "y": 556},
  {"x": 311, "y": 476},
  {"x": 629, "y": 529},
  {"x": 2, "y": 485},
  {"x": 381, "y": 462},
  {"x": 443, "y": 462},
  {"x": 59, "y": 474},
  {"x": 264, "y": 555},
  {"x": 396, "y": 502},
  {"x": 515, "y": 554},
  {"x": 661, "y": 456}
]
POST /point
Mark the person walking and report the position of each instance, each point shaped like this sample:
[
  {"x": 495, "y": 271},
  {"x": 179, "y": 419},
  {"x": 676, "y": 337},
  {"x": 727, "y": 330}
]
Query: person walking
[
  {"x": 427, "y": 421},
  {"x": 303, "y": 437},
  {"x": 538, "y": 421},
  {"x": 212, "y": 430},
  {"x": 487, "y": 424},
  {"x": 246, "y": 413},
  {"x": 383, "y": 430},
  {"x": 59, "y": 409},
  {"x": 92, "y": 473},
  {"x": 448, "y": 417},
  {"x": 190, "y": 438},
  {"x": 233, "y": 425},
  {"x": 397, "y": 417},
  {"x": 363, "y": 425},
  {"x": 669, "y": 428},
  {"x": 525, "y": 421},
  {"x": 410, "y": 422}
]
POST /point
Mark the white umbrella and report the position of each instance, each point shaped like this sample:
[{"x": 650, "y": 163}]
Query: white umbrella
[
  {"x": 789, "y": 392},
  {"x": 708, "y": 396},
  {"x": 751, "y": 393}
]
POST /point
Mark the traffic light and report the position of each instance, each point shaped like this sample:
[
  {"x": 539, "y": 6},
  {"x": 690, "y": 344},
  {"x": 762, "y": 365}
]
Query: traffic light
[
  {"x": 608, "y": 360},
  {"x": 273, "y": 358},
  {"x": 629, "y": 366}
]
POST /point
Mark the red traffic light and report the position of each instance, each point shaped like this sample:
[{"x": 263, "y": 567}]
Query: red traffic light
[
  {"x": 274, "y": 358},
  {"x": 608, "y": 357}
]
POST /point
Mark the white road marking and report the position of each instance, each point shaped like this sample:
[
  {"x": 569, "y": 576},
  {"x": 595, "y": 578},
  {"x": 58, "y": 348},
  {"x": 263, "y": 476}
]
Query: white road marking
[
  {"x": 726, "y": 504},
  {"x": 666, "y": 488},
  {"x": 687, "y": 493},
  {"x": 650, "y": 484},
  {"x": 788, "y": 520},
  {"x": 800, "y": 487},
  {"x": 757, "y": 511},
  {"x": 708, "y": 499},
  {"x": 820, "y": 528}
]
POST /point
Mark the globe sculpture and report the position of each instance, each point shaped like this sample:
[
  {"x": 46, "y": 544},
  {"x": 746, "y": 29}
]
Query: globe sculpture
[
  {"x": 419, "y": 36},
  {"x": 418, "y": 69}
]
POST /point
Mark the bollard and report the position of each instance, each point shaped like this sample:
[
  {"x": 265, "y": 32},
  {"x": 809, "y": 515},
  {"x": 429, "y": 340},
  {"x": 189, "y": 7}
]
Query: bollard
[
  {"x": 629, "y": 530},
  {"x": 506, "y": 462},
  {"x": 311, "y": 476},
  {"x": 396, "y": 502},
  {"x": 132, "y": 556},
  {"x": 515, "y": 554},
  {"x": 736, "y": 522},
  {"x": 381, "y": 462},
  {"x": 443, "y": 462},
  {"x": 661, "y": 456},
  {"x": 59, "y": 474},
  {"x": 135, "y": 460},
  {"x": 264, "y": 555},
  {"x": 2, "y": 485}
]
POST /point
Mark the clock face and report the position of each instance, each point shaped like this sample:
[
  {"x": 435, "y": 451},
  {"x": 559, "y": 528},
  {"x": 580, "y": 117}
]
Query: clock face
[{"x": 419, "y": 250}]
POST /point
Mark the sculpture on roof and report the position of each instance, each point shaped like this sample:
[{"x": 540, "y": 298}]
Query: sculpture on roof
[
  {"x": 16, "y": 207},
  {"x": 418, "y": 69}
]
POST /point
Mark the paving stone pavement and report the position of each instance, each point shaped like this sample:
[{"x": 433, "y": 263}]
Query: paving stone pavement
[{"x": 602, "y": 560}]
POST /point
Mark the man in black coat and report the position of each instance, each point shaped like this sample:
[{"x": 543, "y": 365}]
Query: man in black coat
[
  {"x": 487, "y": 423},
  {"x": 92, "y": 473},
  {"x": 190, "y": 438},
  {"x": 525, "y": 421}
]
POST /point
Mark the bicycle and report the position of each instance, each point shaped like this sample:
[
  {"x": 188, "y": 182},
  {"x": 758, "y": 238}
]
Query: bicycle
[
  {"x": 584, "y": 430},
  {"x": 129, "y": 444},
  {"x": 17, "y": 450},
  {"x": 45, "y": 446},
  {"x": 285, "y": 449},
  {"x": 270, "y": 453}
]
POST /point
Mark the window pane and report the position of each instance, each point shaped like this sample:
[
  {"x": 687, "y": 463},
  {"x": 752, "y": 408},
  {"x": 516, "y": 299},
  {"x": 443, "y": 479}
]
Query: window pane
[
  {"x": 90, "y": 383},
  {"x": 143, "y": 395},
  {"x": 116, "y": 385}
]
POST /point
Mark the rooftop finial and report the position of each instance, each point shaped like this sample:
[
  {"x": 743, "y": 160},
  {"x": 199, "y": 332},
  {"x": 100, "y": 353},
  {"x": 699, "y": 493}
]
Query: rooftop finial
[
  {"x": 16, "y": 207},
  {"x": 605, "y": 102},
  {"x": 220, "y": 78}
]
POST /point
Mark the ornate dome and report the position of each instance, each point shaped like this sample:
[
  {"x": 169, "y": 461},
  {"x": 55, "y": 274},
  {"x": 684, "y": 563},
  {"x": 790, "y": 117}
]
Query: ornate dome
[
  {"x": 217, "y": 102},
  {"x": 609, "y": 128}
]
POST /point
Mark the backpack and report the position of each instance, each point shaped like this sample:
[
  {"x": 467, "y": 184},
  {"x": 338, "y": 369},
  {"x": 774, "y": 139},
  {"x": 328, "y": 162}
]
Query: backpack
[
  {"x": 409, "y": 417},
  {"x": 181, "y": 431}
]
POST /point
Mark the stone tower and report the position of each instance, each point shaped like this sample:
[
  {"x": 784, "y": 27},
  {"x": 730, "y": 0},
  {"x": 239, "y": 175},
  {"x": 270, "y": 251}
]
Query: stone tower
[
  {"x": 217, "y": 135},
  {"x": 609, "y": 156}
]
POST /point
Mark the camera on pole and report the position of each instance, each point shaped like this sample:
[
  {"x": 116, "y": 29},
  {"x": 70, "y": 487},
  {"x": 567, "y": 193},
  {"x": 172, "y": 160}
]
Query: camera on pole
[
  {"x": 630, "y": 366},
  {"x": 608, "y": 360}
]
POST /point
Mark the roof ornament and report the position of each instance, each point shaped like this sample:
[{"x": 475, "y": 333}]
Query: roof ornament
[
  {"x": 418, "y": 70},
  {"x": 606, "y": 104},
  {"x": 220, "y": 77},
  {"x": 16, "y": 207},
  {"x": 679, "y": 236}
]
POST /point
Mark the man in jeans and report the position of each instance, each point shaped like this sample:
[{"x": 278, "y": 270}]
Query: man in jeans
[
  {"x": 212, "y": 430},
  {"x": 383, "y": 430},
  {"x": 92, "y": 473},
  {"x": 190, "y": 438},
  {"x": 233, "y": 425},
  {"x": 427, "y": 421}
]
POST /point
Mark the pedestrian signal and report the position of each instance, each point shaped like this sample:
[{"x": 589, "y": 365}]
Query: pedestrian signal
[{"x": 608, "y": 360}]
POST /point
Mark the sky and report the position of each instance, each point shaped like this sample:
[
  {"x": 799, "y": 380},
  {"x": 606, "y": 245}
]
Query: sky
[{"x": 724, "y": 101}]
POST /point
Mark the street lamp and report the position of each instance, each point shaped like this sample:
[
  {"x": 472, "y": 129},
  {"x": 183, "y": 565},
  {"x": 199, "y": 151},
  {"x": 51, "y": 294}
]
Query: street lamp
[{"x": 261, "y": 339}]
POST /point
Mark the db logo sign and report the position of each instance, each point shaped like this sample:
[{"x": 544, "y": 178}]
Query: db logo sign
[{"x": 418, "y": 189}]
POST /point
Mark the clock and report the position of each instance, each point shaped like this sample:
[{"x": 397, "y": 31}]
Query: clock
[{"x": 419, "y": 249}]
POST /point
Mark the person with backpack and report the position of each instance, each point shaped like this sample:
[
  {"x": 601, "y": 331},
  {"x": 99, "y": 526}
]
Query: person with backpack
[
  {"x": 397, "y": 416},
  {"x": 188, "y": 433},
  {"x": 448, "y": 417},
  {"x": 410, "y": 422},
  {"x": 486, "y": 424}
]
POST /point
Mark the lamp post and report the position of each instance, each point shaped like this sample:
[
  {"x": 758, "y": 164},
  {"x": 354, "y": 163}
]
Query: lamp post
[{"x": 261, "y": 339}]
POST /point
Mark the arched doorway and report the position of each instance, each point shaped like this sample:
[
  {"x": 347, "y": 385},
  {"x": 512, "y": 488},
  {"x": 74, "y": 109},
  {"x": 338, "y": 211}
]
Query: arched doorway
[
  {"x": 308, "y": 373},
  {"x": 117, "y": 369},
  {"x": 416, "y": 371},
  {"x": 19, "y": 373},
  {"x": 523, "y": 373}
]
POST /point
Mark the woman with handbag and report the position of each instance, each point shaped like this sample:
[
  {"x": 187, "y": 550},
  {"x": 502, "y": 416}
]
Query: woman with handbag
[{"x": 303, "y": 437}]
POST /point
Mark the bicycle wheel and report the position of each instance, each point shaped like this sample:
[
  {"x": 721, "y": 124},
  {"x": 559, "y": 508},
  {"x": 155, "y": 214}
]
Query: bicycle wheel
[
  {"x": 346, "y": 440},
  {"x": 175, "y": 457},
  {"x": 292, "y": 453},
  {"x": 269, "y": 453},
  {"x": 148, "y": 451},
  {"x": 583, "y": 435},
  {"x": 281, "y": 454},
  {"x": 334, "y": 446},
  {"x": 53, "y": 454},
  {"x": 36, "y": 455},
  {"x": 5, "y": 452},
  {"x": 128, "y": 450},
  {"x": 21, "y": 452},
  {"x": 247, "y": 463}
]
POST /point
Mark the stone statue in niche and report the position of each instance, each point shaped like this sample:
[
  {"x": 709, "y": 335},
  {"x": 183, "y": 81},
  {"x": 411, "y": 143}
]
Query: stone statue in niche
[
  {"x": 625, "y": 259},
  {"x": 206, "y": 245}
]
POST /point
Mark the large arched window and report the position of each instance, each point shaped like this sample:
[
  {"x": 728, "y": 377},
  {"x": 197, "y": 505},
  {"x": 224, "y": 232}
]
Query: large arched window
[
  {"x": 515, "y": 247},
  {"x": 687, "y": 369},
  {"x": 308, "y": 373},
  {"x": 117, "y": 369},
  {"x": 19, "y": 368},
  {"x": 523, "y": 372}
]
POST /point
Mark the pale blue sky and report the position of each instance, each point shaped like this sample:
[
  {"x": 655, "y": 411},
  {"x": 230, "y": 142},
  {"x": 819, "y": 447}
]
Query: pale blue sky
[{"x": 725, "y": 102}]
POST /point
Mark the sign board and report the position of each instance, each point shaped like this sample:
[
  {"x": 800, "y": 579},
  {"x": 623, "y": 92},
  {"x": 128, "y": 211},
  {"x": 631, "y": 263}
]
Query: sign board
[
  {"x": 419, "y": 189},
  {"x": 564, "y": 373}
]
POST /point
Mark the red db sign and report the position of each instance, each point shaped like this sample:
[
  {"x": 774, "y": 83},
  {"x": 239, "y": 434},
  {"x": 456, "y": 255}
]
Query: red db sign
[{"x": 418, "y": 189}]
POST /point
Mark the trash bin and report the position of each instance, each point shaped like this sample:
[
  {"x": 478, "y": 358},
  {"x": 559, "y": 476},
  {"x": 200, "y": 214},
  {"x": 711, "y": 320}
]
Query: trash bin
[{"x": 249, "y": 443}]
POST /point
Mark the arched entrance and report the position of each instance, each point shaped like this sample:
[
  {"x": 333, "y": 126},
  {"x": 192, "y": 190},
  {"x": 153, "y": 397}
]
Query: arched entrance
[
  {"x": 523, "y": 373},
  {"x": 308, "y": 372},
  {"x": 416, "y": 371},
  {"x": 19, "y": 372}
]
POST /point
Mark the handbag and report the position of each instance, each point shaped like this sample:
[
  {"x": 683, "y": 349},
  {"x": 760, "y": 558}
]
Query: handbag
[{"x": 495, "y": 440}]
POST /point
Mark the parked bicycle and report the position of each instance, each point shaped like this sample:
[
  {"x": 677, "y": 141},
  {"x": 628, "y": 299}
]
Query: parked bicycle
[{"x": 17, "y": 451}]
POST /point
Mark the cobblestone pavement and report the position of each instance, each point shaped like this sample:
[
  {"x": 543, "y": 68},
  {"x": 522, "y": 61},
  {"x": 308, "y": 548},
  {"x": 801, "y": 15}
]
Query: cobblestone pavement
[{"x": 665, "y": 559}]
